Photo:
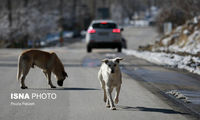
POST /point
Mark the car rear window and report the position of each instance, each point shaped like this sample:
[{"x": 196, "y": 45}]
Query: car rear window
[{"x": 107, "y": 25}]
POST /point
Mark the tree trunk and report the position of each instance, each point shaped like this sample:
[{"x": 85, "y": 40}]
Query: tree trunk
[{"x": 9, "y": 7}]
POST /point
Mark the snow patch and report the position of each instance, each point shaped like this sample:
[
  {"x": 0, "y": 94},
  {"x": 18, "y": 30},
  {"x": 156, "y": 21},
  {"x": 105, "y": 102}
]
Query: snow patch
[
  {"x": 178, "y": 95},
  {"x": 188, "y": 63}
]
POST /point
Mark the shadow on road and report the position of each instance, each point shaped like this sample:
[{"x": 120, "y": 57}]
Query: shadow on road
[
  {"x": 74, "y": 88},
  {"x": 146, "y": 109}
]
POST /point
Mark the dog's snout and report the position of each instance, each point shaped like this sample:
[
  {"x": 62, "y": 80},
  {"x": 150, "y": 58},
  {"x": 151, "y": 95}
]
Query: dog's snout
[
  {"x": 60, "y": 82},
  {"x": 112, "y": 71}
]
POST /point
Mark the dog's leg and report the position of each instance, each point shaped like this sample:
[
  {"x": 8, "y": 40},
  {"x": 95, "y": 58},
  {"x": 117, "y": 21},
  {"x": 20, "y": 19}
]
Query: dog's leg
[
  {"x": 109, "y": 97},
  {"x": 49, "y": 79},
  {"x": 107, "y": 103},
  {"x": 25, "y": 72},
  {"x": 45, "y": 73},
  {"x": 117, "y": 94},
  {"x": 105, "y": 96},
  {"x": 104, "y": 90},
  {"x": 101, "y": 79},
  {"x": 102, "y": 83},
  {"x": 23, "y": 86}
]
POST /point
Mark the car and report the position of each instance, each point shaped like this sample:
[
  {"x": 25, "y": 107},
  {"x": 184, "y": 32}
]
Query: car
[{"x": 103, "y": 34}]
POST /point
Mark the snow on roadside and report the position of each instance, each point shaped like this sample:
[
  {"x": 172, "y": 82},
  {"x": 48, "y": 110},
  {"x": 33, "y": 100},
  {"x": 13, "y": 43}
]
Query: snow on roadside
[{"x": 188, "y": 63}]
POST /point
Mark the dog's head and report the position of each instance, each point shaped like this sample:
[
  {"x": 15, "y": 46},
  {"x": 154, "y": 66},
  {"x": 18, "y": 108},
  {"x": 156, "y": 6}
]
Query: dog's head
[
  {"x": 58, "y": 70},
  {"x": 61, "y": 77},
  {"x": 112, "y": 64}
]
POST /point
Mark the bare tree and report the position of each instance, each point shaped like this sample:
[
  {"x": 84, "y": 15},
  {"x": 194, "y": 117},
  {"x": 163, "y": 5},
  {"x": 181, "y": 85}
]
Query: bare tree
[
  {"x": 177, "y": 12},
  {"x": 9, "y": 7}
]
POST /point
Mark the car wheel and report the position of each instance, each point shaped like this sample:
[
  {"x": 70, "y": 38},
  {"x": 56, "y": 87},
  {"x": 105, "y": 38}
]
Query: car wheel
[
  {"x": 89, "y": 49},
  {"x": 119, "y": 49}
]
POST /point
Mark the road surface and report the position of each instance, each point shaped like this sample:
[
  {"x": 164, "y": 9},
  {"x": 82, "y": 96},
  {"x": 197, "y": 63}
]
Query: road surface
[{"x": 81, "y": 97}]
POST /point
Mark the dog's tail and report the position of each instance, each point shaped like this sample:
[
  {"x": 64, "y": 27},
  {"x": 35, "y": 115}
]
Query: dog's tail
[{"x": 19, "y": 71}]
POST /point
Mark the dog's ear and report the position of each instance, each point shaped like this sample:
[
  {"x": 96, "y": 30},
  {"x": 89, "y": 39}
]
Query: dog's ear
[
  {"x": 64, "y": 74},
  {"x": 118, "y": 59},
  {"x": 105, "y": 60}
]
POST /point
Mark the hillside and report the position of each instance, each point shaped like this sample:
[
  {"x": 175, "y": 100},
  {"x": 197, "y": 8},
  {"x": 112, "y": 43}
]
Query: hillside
[
  {"x": 183, "y": 40},
  {"x": 179, "y": 49}
]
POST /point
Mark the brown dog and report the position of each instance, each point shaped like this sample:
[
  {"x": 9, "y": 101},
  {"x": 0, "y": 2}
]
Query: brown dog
[{"x": 48, "y": 62}]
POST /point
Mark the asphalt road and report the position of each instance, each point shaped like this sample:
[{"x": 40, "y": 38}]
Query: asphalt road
[
  {"x": 139, "y": 36},
  {"x": 81, "y": 97}
]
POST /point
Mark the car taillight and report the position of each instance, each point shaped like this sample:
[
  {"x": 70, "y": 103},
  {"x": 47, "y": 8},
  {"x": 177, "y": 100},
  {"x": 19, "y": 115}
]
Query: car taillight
[
  {"x": 91, "y": 31},
  {"x": 104, "y": 22},
  {"x": 116, "y": 31}
]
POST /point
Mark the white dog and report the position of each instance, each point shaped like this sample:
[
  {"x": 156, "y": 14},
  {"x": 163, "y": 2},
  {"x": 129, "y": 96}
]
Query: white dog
[{"x": 110, "y": 77}]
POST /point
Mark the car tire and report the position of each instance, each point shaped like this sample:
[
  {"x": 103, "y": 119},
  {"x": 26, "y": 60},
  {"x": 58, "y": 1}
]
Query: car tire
[
  {"x": 119, "y": 49},
  {"x": 89, "y": 49}
]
